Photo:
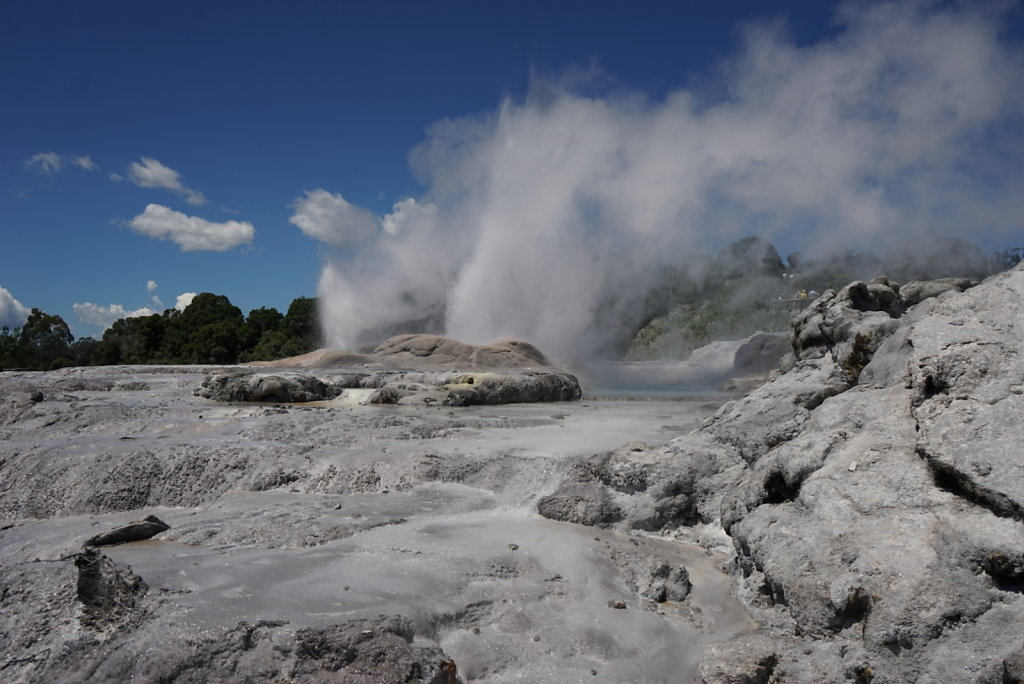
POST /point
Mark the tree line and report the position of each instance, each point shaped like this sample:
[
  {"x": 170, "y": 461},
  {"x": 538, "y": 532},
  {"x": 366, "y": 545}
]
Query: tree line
[{"x": 210, "y": 330}]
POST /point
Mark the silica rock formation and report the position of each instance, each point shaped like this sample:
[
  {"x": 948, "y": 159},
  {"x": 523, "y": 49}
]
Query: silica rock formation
[
  {"x": 873, "y": 492},
  {"x": 406, "y": 369}
]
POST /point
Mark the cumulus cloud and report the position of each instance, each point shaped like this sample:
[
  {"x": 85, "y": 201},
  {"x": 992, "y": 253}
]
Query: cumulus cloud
[
  {"x": 151, "y": 288},
  {"x": 12, "y": 313},
  {"x": 547, "y": 217},
  {"x": 84, "y": 162},
  {"x": 191, "y": 233},
  {"x": 104, "y": 316},
  {"x": 183, "y": 300},
  {"x": 47, "y": 163},
  {"x": 329, "y": 218},
  {"x": 150, "y": 173}
]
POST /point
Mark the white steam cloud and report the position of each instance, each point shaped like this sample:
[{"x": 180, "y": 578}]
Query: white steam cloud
[
  {"x": 546, "y": 219},
  {"x": 330, "y": 219}
]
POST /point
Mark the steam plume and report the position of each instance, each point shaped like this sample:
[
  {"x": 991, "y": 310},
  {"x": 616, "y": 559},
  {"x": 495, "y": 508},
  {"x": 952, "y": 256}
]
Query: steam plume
[{"x": 547, "y": 219}]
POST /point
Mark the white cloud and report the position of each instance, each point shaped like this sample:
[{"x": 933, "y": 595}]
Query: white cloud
[
  {"x": 84, "y": 162},
  {"x": 45, "y": 162},
  {"x": 12, "y": 313},
  {"x": 150, "y": 173},
  {"x": 183, "y": 300},
  {"x": 104, "y": 316},
  {"x": 191, "y": 233},
  {"x": 49, "y": 163},
  {"x": 150, "y": 285},
  {"x": 331, "y": 219},
  {"x": 116, "y": 177},
  {"x": 552, "y": 213}
]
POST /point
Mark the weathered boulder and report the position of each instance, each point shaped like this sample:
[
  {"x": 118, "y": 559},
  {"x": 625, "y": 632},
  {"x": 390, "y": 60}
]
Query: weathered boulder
[
  {"x": 150, "y": 526},
  {"x": 469, "y": 389},
  {"x": 584, "y": 503},
  {"x": 849, "y": 324},
  {"x": 659, "y": 581},
  {"x": 241, "y": 385}
]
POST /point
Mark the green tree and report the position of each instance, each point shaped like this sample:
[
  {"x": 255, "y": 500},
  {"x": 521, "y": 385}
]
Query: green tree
[
  {"x": 83, "y": 350},
  {"x": 212, "y": 330},
  {"x": 136, "y": 340},
  {"x": 10, "y": 348},
  {"x": 302, "y": 325},
  {"x": 259, "y": 322},
  {"x": 44, "y": 341}
]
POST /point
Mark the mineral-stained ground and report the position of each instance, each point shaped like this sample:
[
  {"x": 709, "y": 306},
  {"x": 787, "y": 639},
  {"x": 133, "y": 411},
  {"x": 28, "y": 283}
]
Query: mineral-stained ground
[{"x": 857, "y": 518}]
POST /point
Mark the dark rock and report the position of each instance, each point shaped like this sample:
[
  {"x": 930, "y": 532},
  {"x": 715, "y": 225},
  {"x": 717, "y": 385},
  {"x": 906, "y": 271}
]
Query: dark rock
[
  {"x": 653, "y": 579},
  {"x": 109, "y": 594},
  {"x": 492, "y": 388},
  {"x": 240, "y": 385},
  {"x": 149, "y": 526},
  {"x": 665, "y": 582}
]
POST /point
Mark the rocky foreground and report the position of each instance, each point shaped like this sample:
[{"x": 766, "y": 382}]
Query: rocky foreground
[
  {"x": 857, "y": 518},
  {"x": 873, "y": 492},
  {"x": 148, "y": 533}
]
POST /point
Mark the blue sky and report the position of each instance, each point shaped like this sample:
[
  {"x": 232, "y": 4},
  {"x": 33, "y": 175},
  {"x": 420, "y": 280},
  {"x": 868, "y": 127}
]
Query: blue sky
[{"x": 158, "y": 148}]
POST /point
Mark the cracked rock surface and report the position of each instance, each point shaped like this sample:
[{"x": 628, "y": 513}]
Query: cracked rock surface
[
  {"x": 873, "y": 492},
  {"x": 337, "y": 541}
]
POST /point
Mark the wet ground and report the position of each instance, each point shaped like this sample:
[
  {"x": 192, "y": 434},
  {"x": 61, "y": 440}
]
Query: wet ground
[{"x": 339, "y": 510}]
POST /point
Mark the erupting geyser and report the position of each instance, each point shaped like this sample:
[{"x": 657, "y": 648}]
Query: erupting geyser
[{"x": 548, "y": 220}]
